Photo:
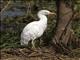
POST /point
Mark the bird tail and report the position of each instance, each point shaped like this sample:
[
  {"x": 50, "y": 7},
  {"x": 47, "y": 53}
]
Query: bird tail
[
  {"x": 23, "y": 42},
  {"x": 24, "y": 39}
]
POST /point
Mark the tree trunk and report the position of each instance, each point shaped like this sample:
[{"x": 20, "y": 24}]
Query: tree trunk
[
  {"x": 64, "y": 15},
  {"x": 63, "y": 34}
]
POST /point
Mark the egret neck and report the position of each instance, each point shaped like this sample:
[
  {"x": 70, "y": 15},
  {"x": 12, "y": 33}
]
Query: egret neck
[{"x": 43, "y": 18}]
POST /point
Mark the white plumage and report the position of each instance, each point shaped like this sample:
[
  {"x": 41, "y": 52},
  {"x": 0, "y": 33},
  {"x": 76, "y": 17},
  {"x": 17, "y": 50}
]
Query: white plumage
[{"x": 35, "y": 29}]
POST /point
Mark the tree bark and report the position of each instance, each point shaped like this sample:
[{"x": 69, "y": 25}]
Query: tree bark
[
  {"x": 64, "y": 35},
  {"x": 63, "y": 22}
]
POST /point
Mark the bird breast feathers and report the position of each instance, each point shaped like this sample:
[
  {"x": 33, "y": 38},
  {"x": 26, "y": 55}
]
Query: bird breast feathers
[{"x": 35, "y": 28}]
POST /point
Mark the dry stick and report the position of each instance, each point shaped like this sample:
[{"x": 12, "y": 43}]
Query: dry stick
[{"x": 5, "y": 7}]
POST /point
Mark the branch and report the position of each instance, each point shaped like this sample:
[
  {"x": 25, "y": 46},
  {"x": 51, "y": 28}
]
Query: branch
[{"x": 5, "y": 7}]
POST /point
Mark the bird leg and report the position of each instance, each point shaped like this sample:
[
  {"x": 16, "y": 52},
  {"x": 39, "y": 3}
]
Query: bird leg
[
  {"x": 33, "y": 44},
  {"x": 36, "y": 49}
]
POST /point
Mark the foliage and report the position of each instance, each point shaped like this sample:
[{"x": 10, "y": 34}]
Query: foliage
[
  {"x": 11, "y": 27},
  {"x": 76, "y": 27}
]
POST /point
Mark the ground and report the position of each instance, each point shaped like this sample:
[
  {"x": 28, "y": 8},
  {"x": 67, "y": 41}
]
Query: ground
[{"x": 45, "y": 53}]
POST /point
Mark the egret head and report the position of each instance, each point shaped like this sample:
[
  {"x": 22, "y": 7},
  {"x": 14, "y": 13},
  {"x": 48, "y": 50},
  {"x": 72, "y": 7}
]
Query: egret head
[{"x": 45, "y": 12}]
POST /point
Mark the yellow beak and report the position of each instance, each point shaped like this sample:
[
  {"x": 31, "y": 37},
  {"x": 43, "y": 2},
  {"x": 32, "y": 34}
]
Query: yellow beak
[{"x": 51, "y": 13}]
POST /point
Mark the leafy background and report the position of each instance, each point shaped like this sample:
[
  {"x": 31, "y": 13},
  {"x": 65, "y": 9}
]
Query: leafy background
[{"x": 17, "y": 16}]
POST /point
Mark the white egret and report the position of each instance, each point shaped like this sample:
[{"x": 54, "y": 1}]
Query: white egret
[{"x": 35, "y": 29}]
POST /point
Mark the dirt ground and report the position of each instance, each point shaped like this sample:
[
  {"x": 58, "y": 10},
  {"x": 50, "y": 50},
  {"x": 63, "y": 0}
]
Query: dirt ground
[{"x": 39, "y": 54}]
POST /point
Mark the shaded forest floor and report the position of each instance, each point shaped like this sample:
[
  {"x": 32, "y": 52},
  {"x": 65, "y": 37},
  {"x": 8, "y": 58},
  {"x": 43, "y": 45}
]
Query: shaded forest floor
[{"x": 45, "y": 53}]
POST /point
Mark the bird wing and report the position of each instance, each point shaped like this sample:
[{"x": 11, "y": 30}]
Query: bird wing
[
  {"x": 28, "y": 33},
  {"x": 30, "y": 26}
]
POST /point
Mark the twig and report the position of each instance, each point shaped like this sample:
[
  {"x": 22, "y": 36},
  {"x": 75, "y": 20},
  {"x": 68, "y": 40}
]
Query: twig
[{"x": 5, "y": 7}]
